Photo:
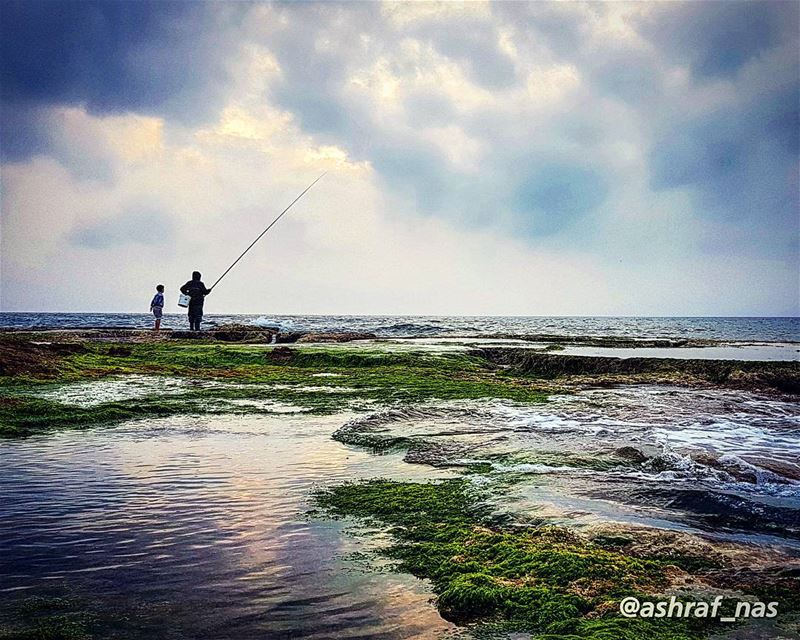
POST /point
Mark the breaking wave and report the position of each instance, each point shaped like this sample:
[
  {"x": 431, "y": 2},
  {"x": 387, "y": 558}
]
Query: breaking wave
[{"x": 618, "y": 445}]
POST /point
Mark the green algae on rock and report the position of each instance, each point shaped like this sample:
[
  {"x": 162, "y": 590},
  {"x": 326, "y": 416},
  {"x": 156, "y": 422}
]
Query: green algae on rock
[
  {"x": 244, "y": 373},
  {"x": 48, "y": 618},
  {"x": 546, "y": 580},
  {"x": 781, "y": 376}
]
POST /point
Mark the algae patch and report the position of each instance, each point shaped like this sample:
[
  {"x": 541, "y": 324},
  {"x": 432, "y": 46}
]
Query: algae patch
[
  {"x": 545, "y": 580},
  {"x": 48, "y": 618},
  {"x": 114, "y": 383}
]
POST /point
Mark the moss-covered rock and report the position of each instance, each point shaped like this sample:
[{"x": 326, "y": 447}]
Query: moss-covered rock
[
  {"x": 780, "y": 376},
  {"x": 546, "y": 580},
  {"x": 249, "y": 372}
]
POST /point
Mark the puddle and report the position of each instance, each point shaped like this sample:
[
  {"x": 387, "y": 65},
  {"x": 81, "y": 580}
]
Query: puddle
[
  {"x": 775, "y": 352},
  {"x": 198, "y": 525}
]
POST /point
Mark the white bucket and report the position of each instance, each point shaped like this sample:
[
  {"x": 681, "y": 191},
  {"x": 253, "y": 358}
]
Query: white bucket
[{"x": 183, "y": 300}]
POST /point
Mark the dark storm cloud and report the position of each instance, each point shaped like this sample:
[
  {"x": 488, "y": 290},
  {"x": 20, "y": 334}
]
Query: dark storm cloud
[
  {"x": 740, "y": 163},
  {"x": 20, "y": 134},
  {"x": 717, "y": 37},
  {"x": 54, "y": 51},
  {"x": 155, "y": 57}
]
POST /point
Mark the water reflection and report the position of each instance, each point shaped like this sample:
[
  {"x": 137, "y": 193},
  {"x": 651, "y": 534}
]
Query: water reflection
[{"x": 196, "y": 525}]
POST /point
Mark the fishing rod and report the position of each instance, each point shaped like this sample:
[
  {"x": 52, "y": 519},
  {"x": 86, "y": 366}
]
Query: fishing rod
[{"x": 269, "y": 226}]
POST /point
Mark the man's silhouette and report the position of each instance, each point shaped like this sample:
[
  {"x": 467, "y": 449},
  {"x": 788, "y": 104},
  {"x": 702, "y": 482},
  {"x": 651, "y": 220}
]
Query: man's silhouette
[{"x": 197, "y": 292}]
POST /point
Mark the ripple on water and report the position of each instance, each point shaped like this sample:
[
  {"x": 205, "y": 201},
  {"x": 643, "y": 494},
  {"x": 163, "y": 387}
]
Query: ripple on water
[
  {"x": 199, "y": 522},
  {"x": 639, "y": 454}
]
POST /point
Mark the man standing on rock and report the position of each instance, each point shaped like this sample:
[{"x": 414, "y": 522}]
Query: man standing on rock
[{"x": 197, "y": 292}]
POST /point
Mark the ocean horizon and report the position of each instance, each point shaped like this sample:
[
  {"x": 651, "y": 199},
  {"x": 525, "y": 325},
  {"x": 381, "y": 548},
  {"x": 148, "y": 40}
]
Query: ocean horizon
[{"x": 753, "y": 328}]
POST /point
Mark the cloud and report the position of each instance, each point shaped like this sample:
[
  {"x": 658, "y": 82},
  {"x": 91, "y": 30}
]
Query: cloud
[
  {"x": 429, "y": 107},
  {"x": 20, "y": 134},
  {"x": 474, "y": 42},
  {"x": 134, "y": 226},
  {"x": 557, "y": 196},
  {"x": 740, "y": 164},
  {"x": 608, "y": 143},
  {"x": 716, "y": 39},
  {"x": 166, "y": 58}
]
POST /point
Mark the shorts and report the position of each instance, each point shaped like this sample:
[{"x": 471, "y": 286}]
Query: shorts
[{"x": 157, "y": 312}]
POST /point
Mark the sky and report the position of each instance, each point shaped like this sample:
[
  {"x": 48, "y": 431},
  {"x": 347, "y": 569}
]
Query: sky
[{"x": 483, "y": 158}]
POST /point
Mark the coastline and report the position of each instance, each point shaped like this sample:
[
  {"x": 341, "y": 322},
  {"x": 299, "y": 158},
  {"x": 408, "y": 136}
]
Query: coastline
[
  {"x": 450, "y": 405},
  {"x": 541, "y": 357}
]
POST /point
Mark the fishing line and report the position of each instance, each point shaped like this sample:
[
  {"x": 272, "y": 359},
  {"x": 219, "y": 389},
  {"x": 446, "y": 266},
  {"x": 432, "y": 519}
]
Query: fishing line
[{"x": 269, "y": 226}]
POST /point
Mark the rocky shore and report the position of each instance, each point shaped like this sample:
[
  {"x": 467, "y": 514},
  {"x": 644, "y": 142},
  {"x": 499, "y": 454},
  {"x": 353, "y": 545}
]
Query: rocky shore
[
  {"x": 490, "y": 562},
  {"x": 223, "y": 333},
  {"x": 783, "y": 377},
  {"x": 38, "y": 352}
]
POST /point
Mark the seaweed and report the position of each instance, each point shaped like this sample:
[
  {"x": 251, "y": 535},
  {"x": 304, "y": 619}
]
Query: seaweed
[
  {"x": 546, "y": 580},
  {"x": 247, "y": 372}
]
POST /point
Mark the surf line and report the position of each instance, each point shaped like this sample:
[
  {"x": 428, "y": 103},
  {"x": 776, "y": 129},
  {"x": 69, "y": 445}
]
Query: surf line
[{"x": 269, "y": 226}]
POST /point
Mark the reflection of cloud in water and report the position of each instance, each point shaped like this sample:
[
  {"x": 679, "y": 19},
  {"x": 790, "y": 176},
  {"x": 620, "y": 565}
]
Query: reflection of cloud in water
[{"x": 202, "y": 511}]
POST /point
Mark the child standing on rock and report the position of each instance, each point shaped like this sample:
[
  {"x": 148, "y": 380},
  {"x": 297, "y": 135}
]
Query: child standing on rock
[{"x": 157, "y": 306}]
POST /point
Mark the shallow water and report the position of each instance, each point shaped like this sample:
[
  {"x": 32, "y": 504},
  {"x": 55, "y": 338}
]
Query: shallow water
[
  {"x": 716, "y": 462},
  {"x": 752, "y": 352},
  {"x": 761, "y": 352},
  {"x": 195, "y": 527}
]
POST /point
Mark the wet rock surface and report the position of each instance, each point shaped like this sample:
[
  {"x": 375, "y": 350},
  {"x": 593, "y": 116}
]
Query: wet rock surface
[
  {"x": 719, "y": 461},
  {"x": 778, "y": 376},
  {"x": 24, "y": 357},
  {"x": 244, "y": 333},
  {"x": 120, "y": 352},
  {"x": 604, "y": 341},
  {"x": 335, "y": 337},
  {"x": 280, "y": 355}
]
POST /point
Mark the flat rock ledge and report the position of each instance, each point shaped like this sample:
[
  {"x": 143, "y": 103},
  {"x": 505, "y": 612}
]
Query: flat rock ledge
[
  {"x": 223, "y": 333},
  {"x": 780, "y": 376}
]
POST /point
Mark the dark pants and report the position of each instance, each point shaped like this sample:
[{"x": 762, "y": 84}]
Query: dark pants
[{"x": 195, "y": 318}]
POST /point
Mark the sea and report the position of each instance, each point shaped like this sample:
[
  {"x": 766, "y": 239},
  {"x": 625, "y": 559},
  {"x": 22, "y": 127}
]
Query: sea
[
  {"x": 204, "y": 525},
  {"x": 723, "y": 328}
]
